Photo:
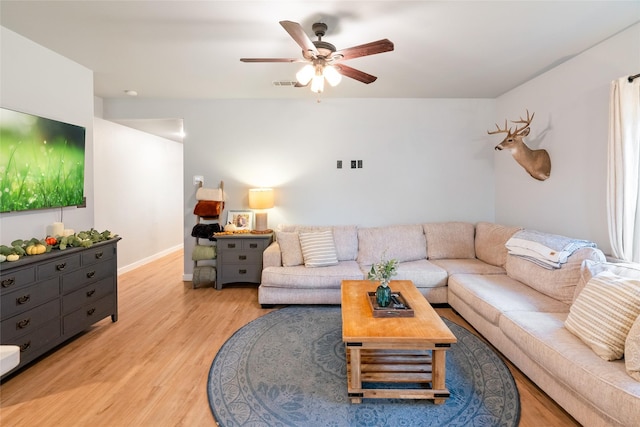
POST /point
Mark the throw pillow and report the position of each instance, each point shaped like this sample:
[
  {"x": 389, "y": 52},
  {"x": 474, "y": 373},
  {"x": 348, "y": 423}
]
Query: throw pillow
[
  {"x": 450, "y": 240},
  {"x": 632, "y": 350},
  {"x": 590, "y": 268},
  {"x": 318, "y": 249},
  {"x": 290, "y": 248},
  {"x": 604, "y": 312}
]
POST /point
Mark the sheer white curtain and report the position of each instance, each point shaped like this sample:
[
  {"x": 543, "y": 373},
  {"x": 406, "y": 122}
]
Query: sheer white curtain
[{"x": 623, "y": 180}]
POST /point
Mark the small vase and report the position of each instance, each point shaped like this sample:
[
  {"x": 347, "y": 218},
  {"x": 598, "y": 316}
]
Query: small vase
[{"x": 383, "y": 295}]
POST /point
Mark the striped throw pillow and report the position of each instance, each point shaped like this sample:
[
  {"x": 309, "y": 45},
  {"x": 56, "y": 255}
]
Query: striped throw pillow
[
  {"x": 318, "y": 249},
  {"x": 604, "y": 312},
  {"x": 632, "y": 350}
]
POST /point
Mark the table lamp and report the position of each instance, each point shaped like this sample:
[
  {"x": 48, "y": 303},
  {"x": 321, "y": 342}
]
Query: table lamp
[{"x": 261, "y": 198}]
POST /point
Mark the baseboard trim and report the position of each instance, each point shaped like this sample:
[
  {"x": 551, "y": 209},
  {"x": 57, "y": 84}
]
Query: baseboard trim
[{"x": 149, "y": 259}]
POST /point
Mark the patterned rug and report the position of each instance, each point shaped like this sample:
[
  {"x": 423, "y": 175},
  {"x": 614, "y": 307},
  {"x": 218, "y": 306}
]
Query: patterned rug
[{"x": 288, "y": 368}]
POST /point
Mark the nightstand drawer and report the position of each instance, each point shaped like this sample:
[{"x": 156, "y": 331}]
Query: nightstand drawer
[
  {"x": 241, "y": 273},
  {"x": 240, "y": 257}
]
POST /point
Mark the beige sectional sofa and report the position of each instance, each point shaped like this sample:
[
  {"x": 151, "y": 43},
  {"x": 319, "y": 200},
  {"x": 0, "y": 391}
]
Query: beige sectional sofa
[{"x": 519, "y": 306}]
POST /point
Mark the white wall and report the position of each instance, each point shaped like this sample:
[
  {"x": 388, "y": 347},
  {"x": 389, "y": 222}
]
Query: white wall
[
  {"x": 38, "y": 81},
  {"x": 138, "y": 192},
  {"x": 571, "y": 103},
  {"x": 424, "y": 159}
]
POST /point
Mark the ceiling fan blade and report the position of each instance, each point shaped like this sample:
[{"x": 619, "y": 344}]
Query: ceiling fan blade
[
  {"x": 372, "y": 48},
  {"x": 297, "y": 33},
  {"x": 355, "y": 74},
  {"x": 272, "y": 60}
]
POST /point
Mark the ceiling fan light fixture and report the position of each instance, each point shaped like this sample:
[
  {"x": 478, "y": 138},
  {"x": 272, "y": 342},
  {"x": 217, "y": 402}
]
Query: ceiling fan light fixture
[
  {"x": 317, "y": 84},
  {"x": 332, "y": 75},
  {"x": 305, "y": 74}
]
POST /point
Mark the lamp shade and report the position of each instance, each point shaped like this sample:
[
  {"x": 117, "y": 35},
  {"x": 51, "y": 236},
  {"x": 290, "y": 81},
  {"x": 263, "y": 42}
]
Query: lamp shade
[{"x": 261, "y": 198}]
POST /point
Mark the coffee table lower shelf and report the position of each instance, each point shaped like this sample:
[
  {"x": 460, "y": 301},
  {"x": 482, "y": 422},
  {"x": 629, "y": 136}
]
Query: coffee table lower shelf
[{"x": 416, "y": 369}]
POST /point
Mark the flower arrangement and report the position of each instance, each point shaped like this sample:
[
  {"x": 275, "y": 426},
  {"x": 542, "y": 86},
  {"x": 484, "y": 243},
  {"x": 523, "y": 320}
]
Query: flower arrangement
[{"x": 383, "y": 271}]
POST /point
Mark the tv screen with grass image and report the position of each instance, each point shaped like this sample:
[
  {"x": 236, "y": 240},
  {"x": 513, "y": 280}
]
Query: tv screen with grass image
[{"x": 41, "y": 162}]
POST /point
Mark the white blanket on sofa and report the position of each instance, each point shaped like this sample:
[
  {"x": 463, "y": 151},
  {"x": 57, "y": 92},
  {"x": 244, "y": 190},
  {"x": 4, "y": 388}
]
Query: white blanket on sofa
[{"x": 547, "y": 250}]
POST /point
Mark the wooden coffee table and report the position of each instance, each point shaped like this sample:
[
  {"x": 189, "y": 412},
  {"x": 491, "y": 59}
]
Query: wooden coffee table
[{"x": 409, "y": 350}]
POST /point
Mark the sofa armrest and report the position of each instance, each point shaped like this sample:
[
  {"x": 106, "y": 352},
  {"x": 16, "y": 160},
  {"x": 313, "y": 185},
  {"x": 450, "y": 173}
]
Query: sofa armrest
[{"x": 272, "y": 257}]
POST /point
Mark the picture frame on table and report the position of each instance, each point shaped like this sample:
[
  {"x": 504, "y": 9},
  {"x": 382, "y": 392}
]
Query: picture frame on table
[{"x": 243, "y": 220}]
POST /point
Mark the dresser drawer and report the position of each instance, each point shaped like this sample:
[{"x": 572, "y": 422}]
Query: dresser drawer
[
  {"x": 29, "y": 321},
  {"x": 16, "y": 278},
  {"x": 85, "y": 276},
  {"x": 31, "y": 344},
  {"x": 59, "y": 266},
  {"x": 241, "y": 273},
  {"x": 96, "y": 255},
  {"x": 87, "y": 294},
  {"x": 28, "y": 297},
  {"x": 240, "y": 257},
  {"x": 87, "y": 315}
]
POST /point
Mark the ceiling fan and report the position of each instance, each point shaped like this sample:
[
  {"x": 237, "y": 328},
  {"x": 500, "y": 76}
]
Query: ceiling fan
[{"x": 322, "y": 58}]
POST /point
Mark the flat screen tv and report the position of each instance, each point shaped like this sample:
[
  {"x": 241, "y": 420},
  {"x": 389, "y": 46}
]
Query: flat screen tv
[{"x": 41, "y": 162}]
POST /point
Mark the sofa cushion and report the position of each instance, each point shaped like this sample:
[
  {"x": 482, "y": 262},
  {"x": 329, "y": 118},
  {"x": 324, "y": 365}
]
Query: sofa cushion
[
  {"x": 290, "y": 247},
  {"x": 467, "y": 265},
  {"x": 605, "y": 385},
  {"x": 558, "y": 283},
  {"x": 344, "y": 236},
  {"x": 422, "y": 273},
  {"x": 492, "y": 295},
  {"x": 400, "y": 242},
  {"x": 450, "y": 240},
  {"x": 604, "y": 312},
  {"x": 311, "y": 278},
  {"x": 632, "y": 350},
  {"x": 590, "y": 268},
  {"x": 318, "y": 248},
  {"x": 490, "y": 242}
]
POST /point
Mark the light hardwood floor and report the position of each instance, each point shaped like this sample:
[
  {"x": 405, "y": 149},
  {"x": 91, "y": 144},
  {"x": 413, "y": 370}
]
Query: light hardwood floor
[{"x": 150, "y": 368}]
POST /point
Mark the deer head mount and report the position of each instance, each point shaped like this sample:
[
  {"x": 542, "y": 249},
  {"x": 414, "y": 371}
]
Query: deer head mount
[{"x": 536, "y": 162}]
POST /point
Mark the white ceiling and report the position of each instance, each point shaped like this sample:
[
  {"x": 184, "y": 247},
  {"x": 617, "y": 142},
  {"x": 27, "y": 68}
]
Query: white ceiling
[{"x": 191, "y": 49}]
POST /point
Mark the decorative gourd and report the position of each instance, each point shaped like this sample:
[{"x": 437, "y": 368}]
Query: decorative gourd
[
  {"x": 36, "y": 249},
  {"x": 12, "y": 257},
  {"x": 230, "y": 227},
  {"x": 3, "y": 258}
]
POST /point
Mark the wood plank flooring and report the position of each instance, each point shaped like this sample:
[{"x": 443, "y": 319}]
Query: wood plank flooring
[{"x": 150, "y": 368}]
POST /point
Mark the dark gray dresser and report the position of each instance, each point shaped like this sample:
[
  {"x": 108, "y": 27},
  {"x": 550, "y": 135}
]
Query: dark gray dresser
[{"x": 47, "y": 299}]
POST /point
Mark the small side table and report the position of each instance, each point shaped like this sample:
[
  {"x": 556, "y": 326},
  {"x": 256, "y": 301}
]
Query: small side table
[{"x": 240, "y": 258}]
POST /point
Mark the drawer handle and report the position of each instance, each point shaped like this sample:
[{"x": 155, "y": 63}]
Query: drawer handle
[
  {"x": 8, "y": 282},
  {"x": 91, "y": 311},
  {"x": 23, "y": 323},
  {"x": 23, "y": 299},
  {"x": 242, "y": 271},
  {"x": 98, "y": 255},
  {"x": 242, "y": 257},
  {"x": 24, "y": 347},
  {"x": 90, "y": 293},
  {"x": 61, "y": 267},
  {"x": 231, "y": 245},
  {"x": 253, "y": 245},
  {"x": 91, "y": 274}
]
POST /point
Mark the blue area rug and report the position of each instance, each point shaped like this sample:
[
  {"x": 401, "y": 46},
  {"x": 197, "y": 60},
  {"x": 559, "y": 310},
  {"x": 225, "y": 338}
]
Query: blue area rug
[{"x": 288, "y": 368}]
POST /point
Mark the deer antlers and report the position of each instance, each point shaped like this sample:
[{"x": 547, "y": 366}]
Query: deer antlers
[{"x": 518, "y": 131}]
